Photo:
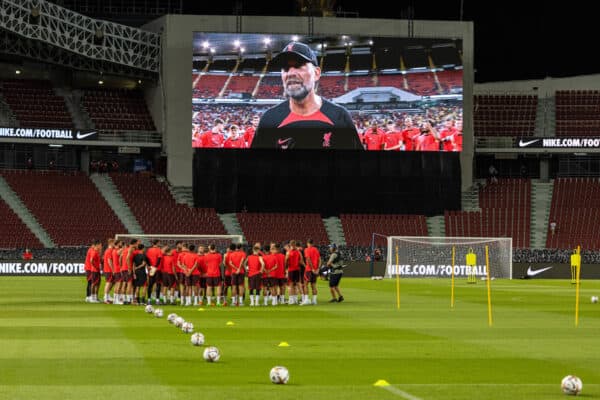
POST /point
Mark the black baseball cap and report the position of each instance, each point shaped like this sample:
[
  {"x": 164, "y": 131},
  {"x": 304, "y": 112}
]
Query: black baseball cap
[{"x": 298, "y": 50}]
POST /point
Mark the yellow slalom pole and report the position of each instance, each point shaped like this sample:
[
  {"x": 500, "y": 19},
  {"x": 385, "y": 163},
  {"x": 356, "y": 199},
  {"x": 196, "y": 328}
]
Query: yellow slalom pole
[
  {"x": 577, "y": 276},
  {"x": 452, "y": 290},
  {"x": 397, "y": 280},
  {"x": 489, "y": 293}
]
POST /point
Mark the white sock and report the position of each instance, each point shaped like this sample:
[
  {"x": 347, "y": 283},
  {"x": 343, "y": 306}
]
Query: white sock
[
  {"x": 208, "y": 299},
  {"x": 240, "y": 300},
  {"x": 314, "y": 299},
  {"x": 274, "y": 300}
]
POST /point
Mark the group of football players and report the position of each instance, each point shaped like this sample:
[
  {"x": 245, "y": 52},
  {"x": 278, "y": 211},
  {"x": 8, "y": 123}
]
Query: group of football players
[{"x": 192, "y": 275}]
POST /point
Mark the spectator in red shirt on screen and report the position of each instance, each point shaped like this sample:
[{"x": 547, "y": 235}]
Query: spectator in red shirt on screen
[
  {"x": 249, "y": 134},
  {"x": 214, "y": 138},
  {"x": 235, "y": 140},
  {"x": 448, "y": 134},
  {"x": 374, "y": 138},
  {"x": 27, "y": 255},
  {"x": 428, "y": 139}
]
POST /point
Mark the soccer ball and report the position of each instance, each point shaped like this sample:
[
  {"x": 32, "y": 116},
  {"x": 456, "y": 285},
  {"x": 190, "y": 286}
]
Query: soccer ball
[
  {"x": 171, "y": 318},
  {"x": 149, "y": 309},
  {"x": 158, "y": 313},
  {"x": 187, "y": 327},
  {"x": 197, "y": 339},
  {"x": 179, "y": 321},
  {"x": 594, "y": 299},
  {"x": 279, "y": 375},
  {"x": 571, "y": 385},
  {"x": 211, "y": 354}
]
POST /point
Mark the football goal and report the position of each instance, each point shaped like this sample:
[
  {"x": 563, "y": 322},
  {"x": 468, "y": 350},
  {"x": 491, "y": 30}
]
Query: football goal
[{"x": 413, "y": 256}]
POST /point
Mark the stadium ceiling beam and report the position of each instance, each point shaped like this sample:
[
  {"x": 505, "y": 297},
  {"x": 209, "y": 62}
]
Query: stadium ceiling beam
[
  {"x": 34, "y": 50},
  {"x": 94, "y": 39}
]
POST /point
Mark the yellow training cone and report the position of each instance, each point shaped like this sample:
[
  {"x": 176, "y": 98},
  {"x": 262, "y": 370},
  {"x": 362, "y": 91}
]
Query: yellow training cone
[
  {"x": 381, "y": 383},
  {"x": 201, "y": 309},
  {"x": 283, "y": 344},
  {"x": 230, "y": 323}
]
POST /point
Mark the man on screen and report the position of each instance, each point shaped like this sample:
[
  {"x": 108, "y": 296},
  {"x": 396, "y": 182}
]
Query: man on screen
[{"x": 305, "y": 120}]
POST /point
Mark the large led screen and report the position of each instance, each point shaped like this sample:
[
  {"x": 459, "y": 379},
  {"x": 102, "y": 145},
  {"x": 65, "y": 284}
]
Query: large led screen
[{"x": 294, "y": 92}]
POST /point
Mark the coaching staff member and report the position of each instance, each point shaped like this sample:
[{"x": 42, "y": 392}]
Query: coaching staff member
[
  {"x": 336, "y": 267},
  {"x": 305, "y": 120}
]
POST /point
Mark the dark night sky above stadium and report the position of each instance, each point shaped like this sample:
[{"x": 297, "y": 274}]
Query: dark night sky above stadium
[{"x": 513, "y": 39}]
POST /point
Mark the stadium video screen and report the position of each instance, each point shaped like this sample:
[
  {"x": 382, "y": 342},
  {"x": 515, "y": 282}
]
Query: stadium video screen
[{"x": 324, "y": 92}]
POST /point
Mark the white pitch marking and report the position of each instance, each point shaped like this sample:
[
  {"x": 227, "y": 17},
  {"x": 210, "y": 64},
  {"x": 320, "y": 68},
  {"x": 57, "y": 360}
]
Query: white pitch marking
[{"x": 400, "y": 393}]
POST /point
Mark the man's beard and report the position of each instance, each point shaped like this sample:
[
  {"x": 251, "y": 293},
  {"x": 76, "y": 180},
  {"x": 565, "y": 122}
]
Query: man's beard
[{"x": 297, "y": 93}]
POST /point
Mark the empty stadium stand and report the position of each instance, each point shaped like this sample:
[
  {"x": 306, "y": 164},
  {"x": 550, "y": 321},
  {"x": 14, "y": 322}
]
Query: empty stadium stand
[
  {"x": 270, "y": 88},
  {"x": 14, "y": 233},
  {"x": 242, "y": 84},
  {"x": 35, "y": 105},
  {"x": 575, "y": 210},
  {"x": 359, "y": 228},
  {"x": 282, "y": 227},
  {"x": 331, "y": 86},
  {"x": 118, "y": 109},
  {"x": 422, "y": 83},
  {"x": 209, "y": 86},
  {"x": 504, "y": 115},
  {"x": 157, "y": 212},
  {"x": 577, "y": 112},
  {"x": 67, "y": 205},
  {"x": 505, "y": 212},
  {"x": 450, "y": 79}
]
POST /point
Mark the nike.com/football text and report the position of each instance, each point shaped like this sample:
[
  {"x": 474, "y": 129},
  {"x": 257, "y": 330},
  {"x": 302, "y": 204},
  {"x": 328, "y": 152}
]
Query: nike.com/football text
[{"x": 435, "y": 270}]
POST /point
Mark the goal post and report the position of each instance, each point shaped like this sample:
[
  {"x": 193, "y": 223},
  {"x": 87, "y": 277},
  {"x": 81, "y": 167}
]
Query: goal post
[
  {"x": 432, "y": 257},
  {"x": 221, "y": 241}
]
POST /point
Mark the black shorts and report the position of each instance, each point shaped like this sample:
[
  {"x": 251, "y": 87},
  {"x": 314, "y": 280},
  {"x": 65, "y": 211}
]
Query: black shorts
[
  {"x": 254, "y": 282},
  {"x": 334, "y": 279},
  {"x": 140, "y": 278},
  {"x": 167, "y": 279},
  {"x": 109, "y": 276},
  {"x": 95, "y": 277},
  {"x": 266, "y": 282},
  {"x": 294, "y": 276},
  {"x": 213, "y": 281},
  {"x": 309, "y": 277},
  {"x": 194, "y": 280},
  {"x": 125, "y": 276},
  {"x": 237, "y": 279},
  {"x": 227, "y": 280}
]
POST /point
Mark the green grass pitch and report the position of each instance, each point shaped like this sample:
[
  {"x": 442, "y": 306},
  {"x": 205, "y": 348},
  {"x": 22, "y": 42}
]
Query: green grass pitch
[{"x": 55, "y": 346}]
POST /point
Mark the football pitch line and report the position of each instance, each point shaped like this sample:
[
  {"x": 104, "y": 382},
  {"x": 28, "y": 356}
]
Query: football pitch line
[{"x": 401, "y": 393}]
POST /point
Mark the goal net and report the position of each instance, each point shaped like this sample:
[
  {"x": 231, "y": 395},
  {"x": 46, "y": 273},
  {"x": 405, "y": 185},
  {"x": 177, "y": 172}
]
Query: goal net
[
  {"x": 220, "y": 241},
  {"x": 412, "y": 256}
]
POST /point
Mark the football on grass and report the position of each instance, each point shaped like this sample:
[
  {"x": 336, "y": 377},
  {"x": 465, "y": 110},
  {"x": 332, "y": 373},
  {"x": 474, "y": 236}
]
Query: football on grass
[
  {"x": 571, "y": 385},
  {"x": 211, "y": 354},
  {"x": 197, "y": 339},
  {"x": 279, "y": 375}
]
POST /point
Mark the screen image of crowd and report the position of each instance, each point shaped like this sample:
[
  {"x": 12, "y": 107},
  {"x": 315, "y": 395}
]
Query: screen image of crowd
[
  {"x": 393, "y": 93},
  {"x": 436, "y": 127}
]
